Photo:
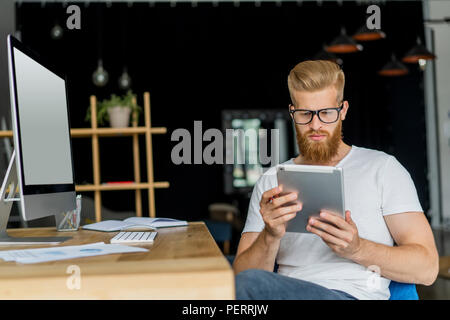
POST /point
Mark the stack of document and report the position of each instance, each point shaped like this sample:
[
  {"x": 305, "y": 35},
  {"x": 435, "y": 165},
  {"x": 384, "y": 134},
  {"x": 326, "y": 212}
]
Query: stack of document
[
  {"x": 135, "y": 223},
  {"x": 28, "y": 256}
]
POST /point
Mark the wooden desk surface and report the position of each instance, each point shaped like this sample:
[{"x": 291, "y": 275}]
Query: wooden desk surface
[{"x": 182, "y": 263}]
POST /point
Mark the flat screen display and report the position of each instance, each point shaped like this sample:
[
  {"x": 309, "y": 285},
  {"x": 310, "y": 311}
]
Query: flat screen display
[
  {"x": 43, "y": 123},
  {"x": 247, "y": 172}
]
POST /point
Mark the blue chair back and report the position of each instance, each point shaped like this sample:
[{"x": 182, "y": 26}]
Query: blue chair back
[
  {"x": 220, "y": 231},
  {"x": 403, "y": 291}
]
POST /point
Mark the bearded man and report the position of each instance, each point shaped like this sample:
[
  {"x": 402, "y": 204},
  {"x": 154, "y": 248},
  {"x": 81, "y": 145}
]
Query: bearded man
[{"x": 384, "y": 229}]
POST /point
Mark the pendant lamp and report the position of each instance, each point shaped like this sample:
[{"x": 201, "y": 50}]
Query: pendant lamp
[
  {"x": 124, "y": 80},
  {"x": 417, "y": 53},
  {"x": 366, "y": 34},
  {"x": 100, "y": 76},
  {"x": 343, "y": 44},
  {"x": 57, "y": 32},
  {"x": 393, "y": 68},
  {"x": 325, "y": 55}
]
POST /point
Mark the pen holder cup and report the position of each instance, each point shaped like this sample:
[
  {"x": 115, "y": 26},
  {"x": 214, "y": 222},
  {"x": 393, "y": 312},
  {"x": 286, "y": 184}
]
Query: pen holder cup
[{"x": 69, "y": 220}]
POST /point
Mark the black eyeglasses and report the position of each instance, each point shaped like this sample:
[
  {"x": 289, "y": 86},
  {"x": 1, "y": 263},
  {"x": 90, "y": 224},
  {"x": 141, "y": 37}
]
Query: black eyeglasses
[{"x": 327, "y": 115}]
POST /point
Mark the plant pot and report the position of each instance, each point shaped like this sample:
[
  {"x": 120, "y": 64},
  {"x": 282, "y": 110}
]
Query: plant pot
[{"x": 119, "y": 117}]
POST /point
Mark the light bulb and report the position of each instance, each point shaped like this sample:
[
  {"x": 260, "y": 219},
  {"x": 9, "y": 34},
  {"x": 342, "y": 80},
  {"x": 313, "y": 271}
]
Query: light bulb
[
  {"x": 100, "y": 76},
  {"x": 57, "y": 32},
  {"x": 422, "y": 64},
  {"x": 124, "y": 80}
]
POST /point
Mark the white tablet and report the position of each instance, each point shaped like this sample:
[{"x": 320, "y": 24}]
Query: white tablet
[{"x": 318, "y": 188}]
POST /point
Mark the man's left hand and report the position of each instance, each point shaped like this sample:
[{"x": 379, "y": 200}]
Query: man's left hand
[{"x": 340, "y": 234}]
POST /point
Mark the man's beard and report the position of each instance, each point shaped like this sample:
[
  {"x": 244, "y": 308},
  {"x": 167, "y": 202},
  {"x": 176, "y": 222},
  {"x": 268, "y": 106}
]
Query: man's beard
[{"x": 319, "y": 152}]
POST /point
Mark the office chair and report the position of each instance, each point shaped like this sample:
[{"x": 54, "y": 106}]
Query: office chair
[
  {"x": 403, "y": 291},
  {"x": 221, "y": 232},
  {"x": 222, "y": 218}
]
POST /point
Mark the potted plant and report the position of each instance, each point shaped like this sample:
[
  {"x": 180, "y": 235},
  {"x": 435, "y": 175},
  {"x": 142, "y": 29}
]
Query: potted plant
[{"x": 116, "y": 110}]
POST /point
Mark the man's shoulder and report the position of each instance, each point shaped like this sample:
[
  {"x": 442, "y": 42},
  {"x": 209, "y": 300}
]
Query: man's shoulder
[{"x": 367, "y": 155}]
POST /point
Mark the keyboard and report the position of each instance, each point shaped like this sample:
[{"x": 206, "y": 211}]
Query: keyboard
[{"x": 134, "y": 237}]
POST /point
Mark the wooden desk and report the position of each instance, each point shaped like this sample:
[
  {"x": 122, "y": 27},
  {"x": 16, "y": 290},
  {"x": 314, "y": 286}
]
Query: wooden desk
[{"x": 183, "y": 263}]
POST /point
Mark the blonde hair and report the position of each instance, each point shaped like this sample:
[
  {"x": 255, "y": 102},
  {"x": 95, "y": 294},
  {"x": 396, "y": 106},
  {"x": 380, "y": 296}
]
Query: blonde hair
[{"x": 314, "y": 75}]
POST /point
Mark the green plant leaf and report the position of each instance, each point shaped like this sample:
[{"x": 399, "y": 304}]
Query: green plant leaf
[{"x": 125, "y": 100}]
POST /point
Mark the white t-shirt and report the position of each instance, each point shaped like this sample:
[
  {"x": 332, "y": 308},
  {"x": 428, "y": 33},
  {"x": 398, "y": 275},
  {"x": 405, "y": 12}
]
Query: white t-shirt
[{"x": 375, "y": 185}]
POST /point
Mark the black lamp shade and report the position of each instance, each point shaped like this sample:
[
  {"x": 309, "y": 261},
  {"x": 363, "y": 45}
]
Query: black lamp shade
[
  {"x": 393, "y": 68},
  {"x": 366, "y": 34},
  {"x": 343, "y": 44},
  {"x": 417, "y": 53},
  {"x": 325, "y": 55}
]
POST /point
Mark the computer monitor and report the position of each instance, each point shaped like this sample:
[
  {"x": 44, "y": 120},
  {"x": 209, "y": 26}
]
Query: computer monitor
[
  {"x": 241, "y": 175},
  {"x": 42, "y": 158}
]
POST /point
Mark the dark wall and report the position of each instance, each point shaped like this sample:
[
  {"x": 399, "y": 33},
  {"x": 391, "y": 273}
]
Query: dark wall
[{"x": 197, "y": 61}]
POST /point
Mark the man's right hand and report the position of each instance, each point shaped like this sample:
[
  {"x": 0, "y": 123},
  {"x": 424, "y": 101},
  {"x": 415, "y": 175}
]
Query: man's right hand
[{"x": 275, "y": 214}]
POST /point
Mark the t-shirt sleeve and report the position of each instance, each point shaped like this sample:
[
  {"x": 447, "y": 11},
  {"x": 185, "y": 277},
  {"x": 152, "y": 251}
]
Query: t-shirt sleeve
[
  {"x": 398, "y": 191},
  {"x": 254, "y": 222}
]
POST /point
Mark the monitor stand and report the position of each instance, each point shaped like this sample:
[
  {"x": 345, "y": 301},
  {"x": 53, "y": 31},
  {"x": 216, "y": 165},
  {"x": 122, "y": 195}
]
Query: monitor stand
[{"x": 6, "y": 201}]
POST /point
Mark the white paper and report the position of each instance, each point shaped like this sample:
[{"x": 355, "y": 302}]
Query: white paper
[
  {"x": 12, "y": 255},
  {"x": 28, "y": 256},
  {"x": 107, "y": 225},
  {"x": 156, "y": 222},
  {"x": 136, "y": 223}
]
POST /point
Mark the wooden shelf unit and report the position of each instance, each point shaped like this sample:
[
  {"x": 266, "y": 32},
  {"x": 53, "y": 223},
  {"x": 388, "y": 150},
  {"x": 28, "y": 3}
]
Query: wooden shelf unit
[
  {"x": 94, "y": 133},
  {"x": 101, "y": 132}
]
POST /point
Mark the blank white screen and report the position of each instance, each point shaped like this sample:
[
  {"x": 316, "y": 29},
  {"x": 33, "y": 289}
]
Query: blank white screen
[{"x": 44, "y": 128}]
